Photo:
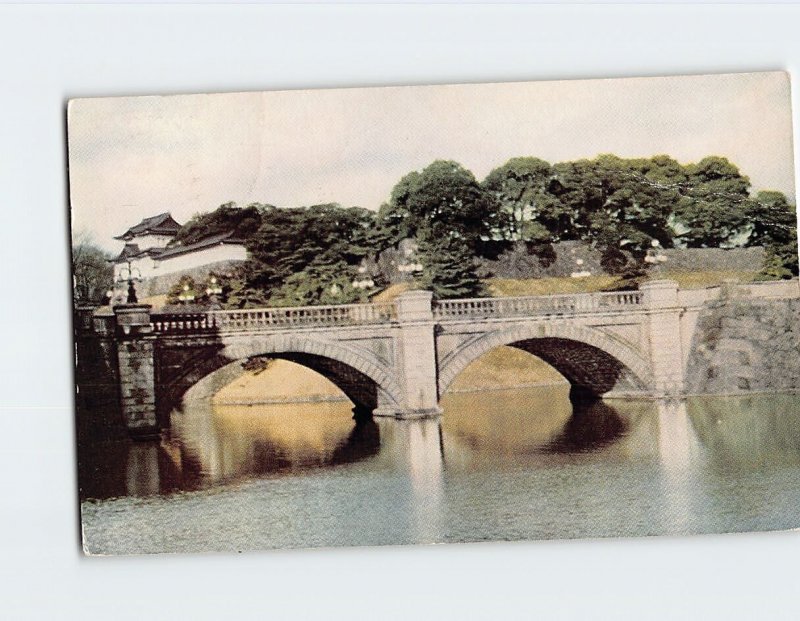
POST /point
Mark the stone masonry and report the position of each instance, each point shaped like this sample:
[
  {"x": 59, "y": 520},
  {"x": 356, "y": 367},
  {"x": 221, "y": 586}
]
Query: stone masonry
[
  {"x": 135, "y": 348},
  {"x": 664, "y": 329},
  {"x": 743, "y": 344}
]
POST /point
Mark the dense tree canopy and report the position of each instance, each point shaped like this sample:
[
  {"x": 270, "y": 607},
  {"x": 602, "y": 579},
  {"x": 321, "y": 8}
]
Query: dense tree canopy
[
  {"x": 528, "y": 210},
  {"x": 449, "y": 213},
  {"x": 448, "y": 264},
  {"x": 774, "y": 225},
  {"x": 324, "y": 242},
  {"x": 712, "y": 208},
  {"x": 622, "y": 207},
  {"x": 443, "y": 194},
  {"x": 228, "y": 218},
  {"x": 616, "y": 203}
]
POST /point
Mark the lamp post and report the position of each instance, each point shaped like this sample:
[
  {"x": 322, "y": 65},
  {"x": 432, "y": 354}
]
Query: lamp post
[
  {"x": 654, "y": 253},
  {"x": 130, "y": 278},
  {"x": 364, "y": 283},
  {"x": 115, "y": 295},
  {"x": 580, "y": 271},
  {"x": 410, "y": 267},
  {"x": 213, "y": 290},
  {"x": 186, "y": 295},
  {"x": 408, "y": 263}
]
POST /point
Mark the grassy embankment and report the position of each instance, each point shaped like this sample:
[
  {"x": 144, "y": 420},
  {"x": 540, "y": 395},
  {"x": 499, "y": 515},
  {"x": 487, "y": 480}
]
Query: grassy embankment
[{"x": 504, "y": 367}]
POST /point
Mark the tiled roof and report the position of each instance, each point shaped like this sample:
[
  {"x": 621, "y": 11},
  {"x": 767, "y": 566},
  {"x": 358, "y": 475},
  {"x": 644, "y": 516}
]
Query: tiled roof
[
  {"x": 213, "y": 240},
  {"x": 162, "y": 223},
  {"x": 131, "y": 251}
]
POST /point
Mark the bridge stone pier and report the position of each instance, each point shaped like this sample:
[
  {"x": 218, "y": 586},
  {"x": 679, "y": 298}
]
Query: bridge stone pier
[{"x": 398, "y": 358}]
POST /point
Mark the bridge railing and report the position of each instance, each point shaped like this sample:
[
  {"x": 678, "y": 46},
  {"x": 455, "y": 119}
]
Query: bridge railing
[
  {"x": 535, "y": 305},
  {"x": 304, "y": 316},
  {"x": 168, "y": 323},
  {"x": 386, "y": 312},
  {"x": 272, "y": 318}
]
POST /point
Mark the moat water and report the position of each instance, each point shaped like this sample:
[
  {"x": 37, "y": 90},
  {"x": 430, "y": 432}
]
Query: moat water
[{"x": 498, "y": 465}]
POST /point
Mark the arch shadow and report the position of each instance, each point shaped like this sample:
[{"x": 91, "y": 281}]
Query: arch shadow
[
  {"x": 593, "y": 363},
  {"x": 363, "y": 379}
]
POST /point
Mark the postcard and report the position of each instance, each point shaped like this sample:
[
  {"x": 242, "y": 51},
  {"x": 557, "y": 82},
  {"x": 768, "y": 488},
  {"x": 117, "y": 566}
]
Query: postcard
[{"x": 435, "y": 314}]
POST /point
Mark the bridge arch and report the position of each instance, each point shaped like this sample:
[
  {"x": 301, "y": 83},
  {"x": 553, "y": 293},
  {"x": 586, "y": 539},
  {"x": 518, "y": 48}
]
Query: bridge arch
[
  {"x": 593, "y": 362},
  {"x": 364, "y": 379}
]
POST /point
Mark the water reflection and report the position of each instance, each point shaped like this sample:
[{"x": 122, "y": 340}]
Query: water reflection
[
  {"x": 677, "y": 443},
  {"x": 505, "y": 423},
  {"x": 747, "y": 432},
  {"x": 515, "y": 464},
  {"x": 212, "y": 444},
  {"x": 679, "y": 458},
  {"x": 423, "y": 442},
  {"x": 209, "y": 445},
  {"x": 233, "y": 441},
  {"x": 534, "y": 421},
  {"x": 591, "y": 427},
  {"x": 491, "y": 431}
]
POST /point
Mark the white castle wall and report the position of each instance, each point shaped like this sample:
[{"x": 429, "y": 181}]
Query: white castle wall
[
  {"x": 148, "y": 268},
  {"x": 198, "y": 258},
  {"x": 142, "y": 267}
]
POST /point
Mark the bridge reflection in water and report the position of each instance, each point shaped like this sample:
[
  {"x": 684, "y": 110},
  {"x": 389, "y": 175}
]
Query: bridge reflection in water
[
  {"x": 511, "y": 464},
  {"x": 210, "y": 445}
]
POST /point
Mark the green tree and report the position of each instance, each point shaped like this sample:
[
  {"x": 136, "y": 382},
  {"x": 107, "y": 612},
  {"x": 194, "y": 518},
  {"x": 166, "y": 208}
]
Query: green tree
[
  {"x": 528, "y": 210},
  {"x": 240, "y": 295},
  {"x": 319, "y": 284},
  {"x": 186, "y": 286},
  {"x": 242, "y": 223},
  {"x": 448, "y": 262},
  {"x": 394, "y": 224},
  {"x": 92, "y": 271},
  {"x": 444, "y": 194},
  {"x": 618, "y": 205},
  {"x": 773, "y": 222},
  {"x": 712, "y": 211},
  {"x": 299, "y": 253}
]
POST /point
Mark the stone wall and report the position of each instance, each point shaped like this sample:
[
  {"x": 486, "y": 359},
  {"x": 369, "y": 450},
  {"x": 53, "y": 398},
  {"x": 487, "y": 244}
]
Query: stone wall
[
  {"x": 743, "y": 344},
  {"x": 712, "y": 259},
  {"x": 542, "y": 261},
  {"x": 97, "y": 406},
  {"x": 137, "y": 386},
  {"x": 564, "y": 258}
]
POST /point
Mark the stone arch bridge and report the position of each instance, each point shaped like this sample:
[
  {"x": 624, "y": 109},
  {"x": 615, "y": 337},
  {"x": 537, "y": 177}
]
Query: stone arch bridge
[{"x": 398, "y": 358}]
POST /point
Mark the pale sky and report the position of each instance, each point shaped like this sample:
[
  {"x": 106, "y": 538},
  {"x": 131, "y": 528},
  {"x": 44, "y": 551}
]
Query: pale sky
[{"x": 133, "y": 157}]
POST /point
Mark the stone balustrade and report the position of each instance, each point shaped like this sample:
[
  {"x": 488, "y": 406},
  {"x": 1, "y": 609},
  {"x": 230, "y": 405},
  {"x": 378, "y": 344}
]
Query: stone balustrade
[
  {"x": 530, "y": 306},
  {"x": 167, "y": 323},
  {"x": 386, "y": 312},
  {"x": 275, "y": 318}
]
